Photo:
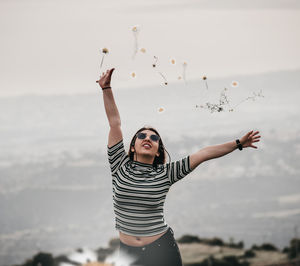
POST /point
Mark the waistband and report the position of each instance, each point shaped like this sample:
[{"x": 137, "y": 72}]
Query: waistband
[{"x": 168, "y": 236}]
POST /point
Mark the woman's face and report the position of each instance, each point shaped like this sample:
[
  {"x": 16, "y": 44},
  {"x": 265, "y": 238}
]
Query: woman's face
[{"x": 146, "y": 147}]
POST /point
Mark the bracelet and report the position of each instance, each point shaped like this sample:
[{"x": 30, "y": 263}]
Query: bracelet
[
  {"x": 106, "y": 88},
  {"x": 239, "y": 145}
]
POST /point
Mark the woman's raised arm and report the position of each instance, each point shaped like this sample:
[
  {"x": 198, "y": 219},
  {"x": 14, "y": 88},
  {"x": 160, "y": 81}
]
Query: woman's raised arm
[
  {"x": 111, "y": 109},
  {"x": 216, "y": 151}
]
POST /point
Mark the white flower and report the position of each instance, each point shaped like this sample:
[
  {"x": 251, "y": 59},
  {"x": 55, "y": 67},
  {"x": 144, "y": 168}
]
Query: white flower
[
  {"x": 135, "y": 28},
  {"x": 143, "y": 50},
  {"x": 234, "y": 84},
  {"x": 133, "y": 74},
  {"x": 172, "y": 61},
  {"x": 104, "y": 50},
  {"x": 160, "y": 110}
]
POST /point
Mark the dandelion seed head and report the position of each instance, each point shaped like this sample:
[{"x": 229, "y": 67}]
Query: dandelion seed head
[
  {"x": 105, "y": 50},
  {"x": 133, "y": 74},
  {"x": 173, "y": 61},
  {"x": 143, "y": 50},
  {"x": 154, "y": 65},
  {"x": 234, "y": 84},
  {"x": 179, "y": 77},
  {"x": 160, "y": 109},
  {"x": 204, "y": 78},
  {"x": 166, "y": 83},
  {"x": 136, "y": 28}
]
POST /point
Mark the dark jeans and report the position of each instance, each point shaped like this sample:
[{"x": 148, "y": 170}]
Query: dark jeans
[{"x": 162, "y": 252}]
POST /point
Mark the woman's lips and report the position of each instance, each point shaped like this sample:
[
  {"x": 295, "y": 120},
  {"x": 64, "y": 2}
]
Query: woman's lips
[{"x": 147, "y": 146}]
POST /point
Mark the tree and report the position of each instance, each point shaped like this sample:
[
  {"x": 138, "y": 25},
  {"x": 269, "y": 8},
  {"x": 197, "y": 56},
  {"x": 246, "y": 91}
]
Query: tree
[
  {"x": 294, "y": 249},
  {"x": 43, "y": 259}
]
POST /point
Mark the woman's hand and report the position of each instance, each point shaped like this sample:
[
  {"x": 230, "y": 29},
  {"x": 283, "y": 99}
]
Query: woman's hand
[
  {"x": 105, "y": 78},
  {"x": 249, "y": 139}
]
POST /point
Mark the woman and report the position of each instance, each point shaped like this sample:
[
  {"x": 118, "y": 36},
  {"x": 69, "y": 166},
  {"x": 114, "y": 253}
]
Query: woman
[{"x": 141, "y": 180}]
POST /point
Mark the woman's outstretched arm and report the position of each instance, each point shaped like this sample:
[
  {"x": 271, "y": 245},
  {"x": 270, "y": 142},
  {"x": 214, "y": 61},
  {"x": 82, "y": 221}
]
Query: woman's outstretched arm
[
  {"x": 111, "y": 109},
  {"x": 216, "y": 151}
]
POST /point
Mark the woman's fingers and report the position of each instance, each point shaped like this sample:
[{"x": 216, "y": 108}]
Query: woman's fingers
[
  {"x": 111, "y": 71},
  {"x": 108, "y": 71},
  {"x": 255, "y": 133}
]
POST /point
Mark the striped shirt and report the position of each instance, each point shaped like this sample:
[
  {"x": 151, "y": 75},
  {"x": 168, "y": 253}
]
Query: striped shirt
[{"x": 140, "y": 190}]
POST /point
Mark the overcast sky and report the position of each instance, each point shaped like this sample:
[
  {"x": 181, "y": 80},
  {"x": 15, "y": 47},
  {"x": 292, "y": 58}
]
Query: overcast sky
[{"x": 50, "y": 47}]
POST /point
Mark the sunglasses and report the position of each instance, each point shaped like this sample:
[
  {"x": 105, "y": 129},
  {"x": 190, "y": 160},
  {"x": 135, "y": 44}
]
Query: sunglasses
[{"x": 153, "y": 137}]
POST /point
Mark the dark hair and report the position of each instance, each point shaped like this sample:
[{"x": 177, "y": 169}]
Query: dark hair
[{"x": 161, "y": 159}]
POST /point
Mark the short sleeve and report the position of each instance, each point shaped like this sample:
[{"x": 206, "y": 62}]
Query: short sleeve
[
  {"x": 178, "y": 169},
  {"x": 115, "y": 153}
]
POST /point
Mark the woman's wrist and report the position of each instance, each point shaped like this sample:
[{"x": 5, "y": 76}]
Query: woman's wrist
[
  {"x": 103, "y": 88},
  {"x": 107, "y": 87},
  {"x": 239, "y": 144}
]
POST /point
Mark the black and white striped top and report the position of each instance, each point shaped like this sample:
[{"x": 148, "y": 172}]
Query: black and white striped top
[{"x": 139, "y": 191}]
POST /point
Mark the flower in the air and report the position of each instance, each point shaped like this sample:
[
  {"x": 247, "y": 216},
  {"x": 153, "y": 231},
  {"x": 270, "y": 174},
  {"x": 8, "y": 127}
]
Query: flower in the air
[
  {"x": 205, "y": 79},
  {"x": 143, "y": 50},
  {"x": 160, "y": 110},
  {"x": 105, "y": 50},
  {"x": 156, "y": 58},
  {"x": 165, "y": 80},
  {"x": 133, "y": 74},
  {"x": 184, "y": 65},
  {"x": 135, "y": 28},
  {"x": 234, "y": 84}
]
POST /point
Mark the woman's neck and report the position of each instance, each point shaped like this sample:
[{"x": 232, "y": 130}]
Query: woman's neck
[{"x": 143, "y": 159}]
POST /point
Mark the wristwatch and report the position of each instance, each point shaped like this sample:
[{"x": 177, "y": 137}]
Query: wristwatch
[{"x": 239, "y": 145}]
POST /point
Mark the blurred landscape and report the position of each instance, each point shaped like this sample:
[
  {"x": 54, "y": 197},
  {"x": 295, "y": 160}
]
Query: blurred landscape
[
  {"x": 55, "y": 184},
  {"x": 194, "y": 251}
]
